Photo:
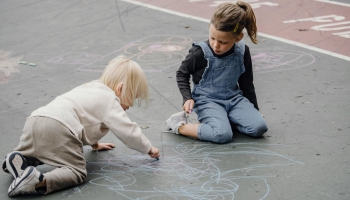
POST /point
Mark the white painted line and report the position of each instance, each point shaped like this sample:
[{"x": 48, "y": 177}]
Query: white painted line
[
  {"x": 167, "y": 11},
  {"x": 259, "y": 33},
  {"x": 305, "y": 46},
  {"x": 334, "y": 2}
]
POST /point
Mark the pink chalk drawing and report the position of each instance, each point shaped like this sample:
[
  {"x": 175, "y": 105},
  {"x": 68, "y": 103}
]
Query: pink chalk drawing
[
  {"x": 157, "y": 56},
  {"x": 153, "y": 53},
  {"x": 270, "y": 60},
  {"x": 74, "y": 59},
  {"x": 157, "y": 53},
  {"x": 7, "y": 66}
]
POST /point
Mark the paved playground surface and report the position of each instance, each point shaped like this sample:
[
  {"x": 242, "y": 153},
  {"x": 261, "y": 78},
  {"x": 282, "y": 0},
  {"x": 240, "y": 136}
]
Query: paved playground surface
[{"x": 301, "y": 75}]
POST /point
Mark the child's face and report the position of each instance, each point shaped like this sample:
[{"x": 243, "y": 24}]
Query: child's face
[
  {"x": 220, "y": 41},
  {"x": 125, "y": 107},
  {"x": 118, "y": 93}
]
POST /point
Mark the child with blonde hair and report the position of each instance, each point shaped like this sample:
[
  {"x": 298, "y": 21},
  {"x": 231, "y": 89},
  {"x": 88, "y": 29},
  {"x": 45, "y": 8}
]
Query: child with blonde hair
[
  {"x": 56, "y": 133},
  {"x": 222, "y": 74}
]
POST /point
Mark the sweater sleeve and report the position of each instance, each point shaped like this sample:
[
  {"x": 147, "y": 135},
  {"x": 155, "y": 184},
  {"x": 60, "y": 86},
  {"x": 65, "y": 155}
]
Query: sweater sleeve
[
  {"x": 246, "y": 79},
  {"x": 128, "y": 132},
  {"x": 193, "y": 65}
]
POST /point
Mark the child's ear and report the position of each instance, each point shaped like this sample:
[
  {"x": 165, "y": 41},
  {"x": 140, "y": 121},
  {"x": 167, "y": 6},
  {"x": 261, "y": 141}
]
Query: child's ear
[
  {"x": 240, "y": 37},
  {"x": 119, "y": 89}
]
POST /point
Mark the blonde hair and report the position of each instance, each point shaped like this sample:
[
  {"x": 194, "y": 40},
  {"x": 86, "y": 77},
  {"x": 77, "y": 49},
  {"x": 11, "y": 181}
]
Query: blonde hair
[
  {"x": 123, "y": 70},
  {"x": 229, "y": 17}
]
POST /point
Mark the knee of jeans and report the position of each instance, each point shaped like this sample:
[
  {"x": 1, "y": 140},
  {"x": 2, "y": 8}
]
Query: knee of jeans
[
  {"x": 258, "y": 130},
  {"x": 222, "y": 137}
]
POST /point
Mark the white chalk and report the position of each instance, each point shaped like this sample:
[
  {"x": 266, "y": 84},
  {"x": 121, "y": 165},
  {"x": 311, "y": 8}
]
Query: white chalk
[{"x": 22, "y": 62}]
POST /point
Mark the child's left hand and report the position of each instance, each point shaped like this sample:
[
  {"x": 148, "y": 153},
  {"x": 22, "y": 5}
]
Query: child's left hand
[{"x": 103, "y": 146}]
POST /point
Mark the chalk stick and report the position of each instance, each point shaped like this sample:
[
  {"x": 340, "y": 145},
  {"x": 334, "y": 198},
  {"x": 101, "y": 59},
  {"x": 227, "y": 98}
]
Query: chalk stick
[
  {"x": 32, "y": 64},
  {"x": 22, "y": 62}
]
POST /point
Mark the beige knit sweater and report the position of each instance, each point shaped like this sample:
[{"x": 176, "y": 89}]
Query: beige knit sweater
[{"x": 90, "y": 111}]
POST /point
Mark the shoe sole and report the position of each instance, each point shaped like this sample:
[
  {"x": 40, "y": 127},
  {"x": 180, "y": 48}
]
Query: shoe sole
[
  {"x": 176, "y": 115},
  {"x": 16, "y": 164},
  {"x": 30, "y": 170}
]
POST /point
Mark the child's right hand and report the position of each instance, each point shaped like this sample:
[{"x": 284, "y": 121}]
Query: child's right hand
[
  {"x": 154, "y": 152},
  {"x": 188, "y": 106},
  {"x": 103, "y": 146}
]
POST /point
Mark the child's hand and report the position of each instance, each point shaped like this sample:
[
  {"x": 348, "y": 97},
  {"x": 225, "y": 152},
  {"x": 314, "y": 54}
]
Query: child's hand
[
  {"x": 103, "y": 146},
  {"x": 188, "y": 106},
  {"x": 154, "y": 152}
]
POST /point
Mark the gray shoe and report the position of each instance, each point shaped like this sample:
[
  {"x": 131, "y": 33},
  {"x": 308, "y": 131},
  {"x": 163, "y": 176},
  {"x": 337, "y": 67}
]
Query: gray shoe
[
  {"x": 25, "y": 184},
  {"x": 176, "y": 120},
  {"x": 15, "y": 164}
]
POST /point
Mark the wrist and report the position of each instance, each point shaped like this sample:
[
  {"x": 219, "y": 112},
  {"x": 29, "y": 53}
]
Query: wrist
[{"x": 94, "y": 146}]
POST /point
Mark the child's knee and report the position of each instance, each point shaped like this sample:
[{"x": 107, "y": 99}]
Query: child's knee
[
  {"x": 258, "y": 130},
  {"x": 222, "y": 137},
  {"x": 222, "y": 140},
  {"x": 82, "y": 176},
  {"x": 216, "y": 132}
]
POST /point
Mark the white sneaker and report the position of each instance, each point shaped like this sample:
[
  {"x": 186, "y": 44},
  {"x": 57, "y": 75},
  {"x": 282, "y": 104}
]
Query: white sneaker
[
  {"x": 25, "y": 184},
  {"x": 176, "y": 120},
  {"x": 15, "y": 164}
]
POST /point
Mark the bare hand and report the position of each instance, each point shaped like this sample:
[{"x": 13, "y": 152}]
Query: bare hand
[
  {"x": 103, "y": 146},
  {"x": 154, "y": 152},
  {"x": 188, "y": 106}
]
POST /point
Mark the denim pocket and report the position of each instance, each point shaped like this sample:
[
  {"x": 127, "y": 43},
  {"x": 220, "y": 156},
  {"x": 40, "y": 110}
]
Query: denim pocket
[{"x": 225, "y": 76}]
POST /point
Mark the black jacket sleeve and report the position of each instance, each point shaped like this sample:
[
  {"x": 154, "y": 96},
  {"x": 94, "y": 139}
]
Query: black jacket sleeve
[
  {"x": 193, "y": 66},
  {"x": 245, "y": 81}
]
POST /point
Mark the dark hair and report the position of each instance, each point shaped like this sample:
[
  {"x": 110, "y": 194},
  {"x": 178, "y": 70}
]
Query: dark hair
[{"x": 229, "y": 17}]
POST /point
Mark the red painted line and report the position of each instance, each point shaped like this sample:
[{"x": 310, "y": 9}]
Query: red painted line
[{"x": 316, "y": 24}]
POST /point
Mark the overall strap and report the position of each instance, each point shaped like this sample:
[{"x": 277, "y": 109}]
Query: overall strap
[
  {"x": 205, "y": 48},
  {"x": 240, "y": 48}
]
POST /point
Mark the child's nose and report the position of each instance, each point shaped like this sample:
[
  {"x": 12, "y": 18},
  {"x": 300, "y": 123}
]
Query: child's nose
[{"x": 216, "y": 44}]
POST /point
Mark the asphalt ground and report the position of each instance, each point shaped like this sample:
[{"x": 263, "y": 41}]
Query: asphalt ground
[{"x": 303, "y": 94}]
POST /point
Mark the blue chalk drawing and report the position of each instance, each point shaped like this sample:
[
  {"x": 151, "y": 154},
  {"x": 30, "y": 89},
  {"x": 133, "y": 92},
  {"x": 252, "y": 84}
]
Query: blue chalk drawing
[{"x": 193, "y": 171}]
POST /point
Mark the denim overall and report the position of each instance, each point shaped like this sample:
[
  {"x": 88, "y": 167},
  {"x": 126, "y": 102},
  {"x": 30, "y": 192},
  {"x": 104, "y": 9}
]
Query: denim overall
[{"x": 219, "y": 101}]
